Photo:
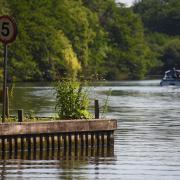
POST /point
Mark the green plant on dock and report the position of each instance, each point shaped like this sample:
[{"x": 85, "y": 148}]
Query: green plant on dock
[
  {"x": 10, "y": 119},
  {"x": 105, "y": 106},
  {"x": 71, "y": 100},
  {"x": 30, "y": 114}
]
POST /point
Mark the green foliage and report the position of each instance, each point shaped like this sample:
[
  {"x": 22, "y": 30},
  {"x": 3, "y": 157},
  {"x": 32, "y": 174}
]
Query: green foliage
[
  {"x": 161, "y": 19},
  {"x": 160, "y": 15},
  {"x": 105, "y": 106},
  {"x": 63, "y": 56},
  {"x": 71, "y": 39},
  {"x": 71, "y": 100},
  {"x": 171, "y": 54},
  {"x": 128, "y": 54}
]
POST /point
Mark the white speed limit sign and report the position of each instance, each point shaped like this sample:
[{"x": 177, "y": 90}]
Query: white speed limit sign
[{"x": 8, "y": 29}]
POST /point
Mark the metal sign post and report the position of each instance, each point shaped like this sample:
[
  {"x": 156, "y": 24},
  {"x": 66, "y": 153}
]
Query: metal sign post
[
  {"x": 8, "y": 32},
  {"x": 4, "y": 84}
]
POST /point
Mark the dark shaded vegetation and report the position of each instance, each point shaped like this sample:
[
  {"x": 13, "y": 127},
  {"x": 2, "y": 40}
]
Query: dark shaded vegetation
[{"x": 161, "y": 19}]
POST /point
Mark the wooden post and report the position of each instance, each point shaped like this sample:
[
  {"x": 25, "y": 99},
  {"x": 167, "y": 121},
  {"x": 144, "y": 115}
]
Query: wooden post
[
  {"x": 41, "y": 143},
  {"x": 20, "y": 115},
  {"x": 15, "y": 147},
  {"x": 58, "y": 142},
  {"x": 34, "y": 144},
  {"x": 47, "y": 142},
  {"x": 97, "y": 140},
  {"x": 108, "y": 139},
  {"x": 76, "y": 143},
  {"x": 102, "y": 143},
  {"x": 10, "y": 145},
  {"x": 92, "y": 143},
  {"x": 3, "y": 148},
  {"x": 28, "y": 140},
  {"x": 87, "y": 143},
  {"x": 92, "y": 139},
  {"x": 96, "y": 104},
  {"x": 102, "y": 139},
  {"x": 52, "y": 142},
  {"x": 65, "y": 145},
  {"x": 40, "y": 146},
  {"x": 82, "y": 143},
  {"x": 82, "y": 140},
  {"x": 70, "y": 143},
  {"x": 22, "y": 144},
  {"x": 52, "y": 145}
]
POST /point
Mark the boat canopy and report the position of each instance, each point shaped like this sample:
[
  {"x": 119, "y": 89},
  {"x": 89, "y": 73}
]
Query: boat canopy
[{"x": 172, "y": 74}]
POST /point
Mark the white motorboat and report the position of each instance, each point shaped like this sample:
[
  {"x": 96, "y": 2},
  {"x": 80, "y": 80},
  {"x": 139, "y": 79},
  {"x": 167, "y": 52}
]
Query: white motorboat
[{"x": 171, "y": 78}]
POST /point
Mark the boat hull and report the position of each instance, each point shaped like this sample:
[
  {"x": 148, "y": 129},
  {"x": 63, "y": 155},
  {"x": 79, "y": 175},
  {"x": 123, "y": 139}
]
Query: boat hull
[{"x": 170, "y": 83}]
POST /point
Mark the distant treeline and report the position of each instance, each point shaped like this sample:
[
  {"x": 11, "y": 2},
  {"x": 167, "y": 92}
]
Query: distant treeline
[{"x": 93, "y": 39}]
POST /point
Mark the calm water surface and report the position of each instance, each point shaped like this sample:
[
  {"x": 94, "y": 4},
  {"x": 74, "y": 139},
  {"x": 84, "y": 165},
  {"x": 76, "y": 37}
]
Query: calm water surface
[{"x": 147, "y": 142}]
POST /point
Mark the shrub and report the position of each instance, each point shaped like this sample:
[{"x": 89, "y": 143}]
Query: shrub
[{"x": 71, "y": 100}]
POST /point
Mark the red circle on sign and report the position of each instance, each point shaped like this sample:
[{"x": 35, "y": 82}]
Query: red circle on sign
[{"x": 8, "y": 29}]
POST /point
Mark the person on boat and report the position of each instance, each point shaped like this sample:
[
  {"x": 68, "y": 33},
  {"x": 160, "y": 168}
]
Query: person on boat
[
  {"x": 173, "y": 73},
  {"x": 170, "y": 74}
]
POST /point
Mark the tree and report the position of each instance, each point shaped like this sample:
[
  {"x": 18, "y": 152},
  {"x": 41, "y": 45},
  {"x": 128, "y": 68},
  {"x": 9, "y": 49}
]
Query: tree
[
  {"x": 160, "y": 15},
  {"x": 171, "y": 54},
  {"x": 77, "y": 38}
]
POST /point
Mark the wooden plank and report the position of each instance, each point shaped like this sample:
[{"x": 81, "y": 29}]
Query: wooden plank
[{"x": 61, "y": 126}]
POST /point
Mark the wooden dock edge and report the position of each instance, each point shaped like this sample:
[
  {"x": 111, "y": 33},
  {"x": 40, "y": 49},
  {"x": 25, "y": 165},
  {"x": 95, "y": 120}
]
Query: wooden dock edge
[{"x": 58, "y": 126}]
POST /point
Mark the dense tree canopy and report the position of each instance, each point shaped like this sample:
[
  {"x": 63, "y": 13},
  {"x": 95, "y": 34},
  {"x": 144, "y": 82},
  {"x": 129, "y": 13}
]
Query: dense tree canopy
[
  {"x": 92, "y": 39},
  {"x": 160, "y": 15},
  {"x": 161, "y": 19},
  {"x": 171, "y": 54}
]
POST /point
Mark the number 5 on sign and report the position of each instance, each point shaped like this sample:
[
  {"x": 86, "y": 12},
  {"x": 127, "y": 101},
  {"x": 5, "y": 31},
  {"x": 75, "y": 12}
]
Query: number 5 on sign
[{"x": 8, "y": 29}]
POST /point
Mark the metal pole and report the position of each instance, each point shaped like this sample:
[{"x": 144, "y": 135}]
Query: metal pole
[
  {"x": 7, "y": 102},
  {"x": 4, "y": 84}
]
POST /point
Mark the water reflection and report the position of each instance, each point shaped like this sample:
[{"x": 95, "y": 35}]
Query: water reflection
[
  {"x": 51, "y": 163},
  {"x": 55, "y": 154}
]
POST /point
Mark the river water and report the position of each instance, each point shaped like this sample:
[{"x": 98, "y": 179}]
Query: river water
[{"x": 147, "y": 141}]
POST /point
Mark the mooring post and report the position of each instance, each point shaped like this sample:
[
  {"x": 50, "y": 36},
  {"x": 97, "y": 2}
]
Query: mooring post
[
  {"x": 20, "y": 115},
  {"x": 96, "y": 105}
]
